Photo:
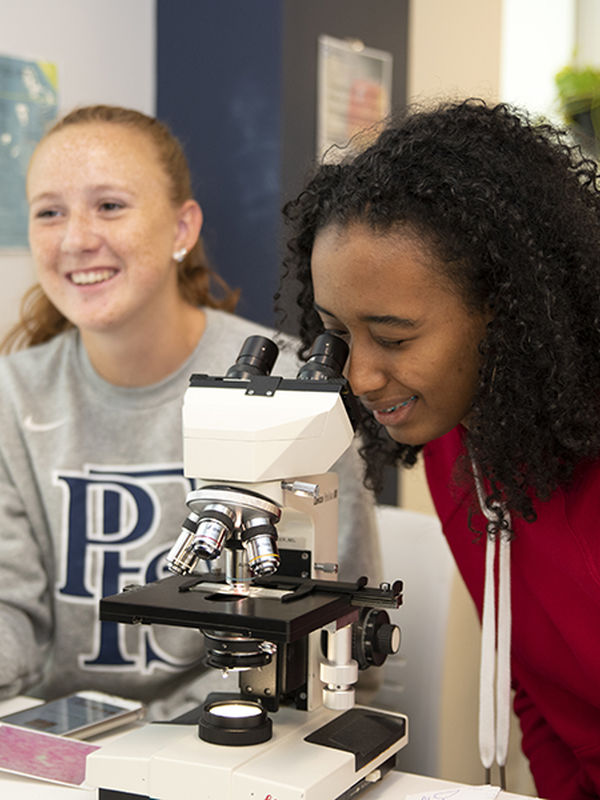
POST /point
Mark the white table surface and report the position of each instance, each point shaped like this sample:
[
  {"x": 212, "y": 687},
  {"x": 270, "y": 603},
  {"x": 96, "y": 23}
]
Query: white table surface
[{"x": 396, "y": 785}]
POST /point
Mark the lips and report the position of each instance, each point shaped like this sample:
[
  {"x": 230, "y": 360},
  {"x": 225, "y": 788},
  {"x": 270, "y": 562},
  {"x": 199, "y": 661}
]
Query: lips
[
  {"x": 398, "y": 405},
  {"x": 87, "y": 277},
  {"x": 390, "y": 409},
  {"x": 395, "y": 414}
]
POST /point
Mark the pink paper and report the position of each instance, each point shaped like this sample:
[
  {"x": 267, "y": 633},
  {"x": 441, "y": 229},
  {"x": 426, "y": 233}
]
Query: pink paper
[{"x": 43, "y": 755}]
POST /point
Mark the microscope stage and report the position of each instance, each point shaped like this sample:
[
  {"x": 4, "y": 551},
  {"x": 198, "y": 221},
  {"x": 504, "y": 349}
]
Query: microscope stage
[{"x": 177, "y": 601}]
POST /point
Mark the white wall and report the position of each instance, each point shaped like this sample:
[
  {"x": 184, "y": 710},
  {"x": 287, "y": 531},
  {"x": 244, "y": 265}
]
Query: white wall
[
  {"x": 454, "y": 49},
  {"x": 538, "y": 39},
  {"x": 587, "y": 51},
  {"x": 505, "y": 50},
  {"x": 105, "y": 53}
]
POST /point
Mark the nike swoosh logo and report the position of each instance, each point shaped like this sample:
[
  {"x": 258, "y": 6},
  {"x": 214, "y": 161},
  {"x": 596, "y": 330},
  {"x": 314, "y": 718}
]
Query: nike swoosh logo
[{"x": 37, "y": 427}]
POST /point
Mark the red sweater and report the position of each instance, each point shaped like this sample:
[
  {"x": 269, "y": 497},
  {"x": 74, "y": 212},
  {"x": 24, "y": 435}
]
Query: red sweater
[{"x": 555, "y": 577}]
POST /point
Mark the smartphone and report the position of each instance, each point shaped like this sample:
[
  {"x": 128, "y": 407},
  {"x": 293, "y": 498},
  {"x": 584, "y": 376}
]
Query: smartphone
[{"x": 79, "y": 715}]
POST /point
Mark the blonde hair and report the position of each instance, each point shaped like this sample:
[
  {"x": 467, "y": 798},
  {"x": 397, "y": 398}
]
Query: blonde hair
[{"x": 40, "y": 320}]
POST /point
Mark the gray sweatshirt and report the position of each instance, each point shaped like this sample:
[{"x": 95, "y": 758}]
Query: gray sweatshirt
[{"x": 92, "y": 496}]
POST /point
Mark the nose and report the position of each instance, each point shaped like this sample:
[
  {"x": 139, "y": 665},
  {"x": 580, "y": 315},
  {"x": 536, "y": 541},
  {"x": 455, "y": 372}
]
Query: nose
[
  {"x": 364, "y": 371},
  {"x": 79, "y": 234}
]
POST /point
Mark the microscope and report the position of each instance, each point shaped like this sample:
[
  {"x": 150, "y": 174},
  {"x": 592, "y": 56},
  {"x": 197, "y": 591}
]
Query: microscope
[{"x": 255, "y": 570}]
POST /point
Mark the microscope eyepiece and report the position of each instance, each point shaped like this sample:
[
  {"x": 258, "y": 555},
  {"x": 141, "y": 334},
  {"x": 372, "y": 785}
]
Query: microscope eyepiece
[
  {"x": 326, "y": 359},
  {"x": 256, "y": 357}
]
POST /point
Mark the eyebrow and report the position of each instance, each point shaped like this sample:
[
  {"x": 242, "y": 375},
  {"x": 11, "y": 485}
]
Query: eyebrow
[
  {"x": 43, "y": 196},
  {"x": 96, "y": 189},
  {"x": 381, "y": 319}
]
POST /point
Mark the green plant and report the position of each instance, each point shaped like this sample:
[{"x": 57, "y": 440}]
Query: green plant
[{"x": 579, "y": 99}]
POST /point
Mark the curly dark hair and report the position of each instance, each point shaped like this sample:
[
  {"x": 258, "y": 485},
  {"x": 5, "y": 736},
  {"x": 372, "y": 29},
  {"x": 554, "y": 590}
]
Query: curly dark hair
[{"x": 512, "y": 210}]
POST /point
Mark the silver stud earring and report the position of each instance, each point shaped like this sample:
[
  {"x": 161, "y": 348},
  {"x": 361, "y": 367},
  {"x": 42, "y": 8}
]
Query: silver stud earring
[{"x": 179, "y": 255}]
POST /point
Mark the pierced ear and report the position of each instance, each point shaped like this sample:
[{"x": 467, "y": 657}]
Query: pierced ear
[{"x": 189, "y": 225}]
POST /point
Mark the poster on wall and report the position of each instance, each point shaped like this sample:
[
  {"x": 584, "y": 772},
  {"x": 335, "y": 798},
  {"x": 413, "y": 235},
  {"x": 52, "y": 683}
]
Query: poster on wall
[
  {"x": 354, "y": 95},
  {"x": 28, "y": 104}
]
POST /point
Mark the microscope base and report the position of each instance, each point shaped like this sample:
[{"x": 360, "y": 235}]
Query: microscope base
[{"x": 170, "y": 762}]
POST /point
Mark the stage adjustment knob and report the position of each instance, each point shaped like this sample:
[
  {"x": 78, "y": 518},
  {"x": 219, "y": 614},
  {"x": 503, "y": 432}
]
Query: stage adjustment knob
[
  {"x": 374, "y": 638},
  {"x": 387, "y": 639}
]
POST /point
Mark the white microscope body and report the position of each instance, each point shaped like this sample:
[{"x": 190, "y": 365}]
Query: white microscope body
[{"x": 259, "y": 449}]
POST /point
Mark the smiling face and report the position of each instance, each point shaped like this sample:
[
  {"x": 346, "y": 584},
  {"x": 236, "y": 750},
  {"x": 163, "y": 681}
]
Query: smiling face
[
  {"x": 103, "y": 229},
  {"x": 414, "y": 357}
]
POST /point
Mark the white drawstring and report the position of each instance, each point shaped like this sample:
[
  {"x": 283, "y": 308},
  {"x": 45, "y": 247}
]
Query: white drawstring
[
  {"x": 495, "y": 660},
  {"x": 486, "y": 666}
]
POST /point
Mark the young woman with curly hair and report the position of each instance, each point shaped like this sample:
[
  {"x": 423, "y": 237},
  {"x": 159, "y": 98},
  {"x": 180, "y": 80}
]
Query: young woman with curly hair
[{"x": 459, "y": 255}]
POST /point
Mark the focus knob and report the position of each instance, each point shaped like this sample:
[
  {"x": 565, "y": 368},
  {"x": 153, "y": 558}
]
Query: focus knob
[
  {"x": 387, "y": 639},
  {"x": 374, "y": 638}
]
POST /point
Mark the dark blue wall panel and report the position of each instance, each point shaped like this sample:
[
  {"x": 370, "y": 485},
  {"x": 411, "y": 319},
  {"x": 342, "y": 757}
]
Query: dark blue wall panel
[
  {"x": 219, "y": 88},
  {"x": 237, "y": 83}
]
